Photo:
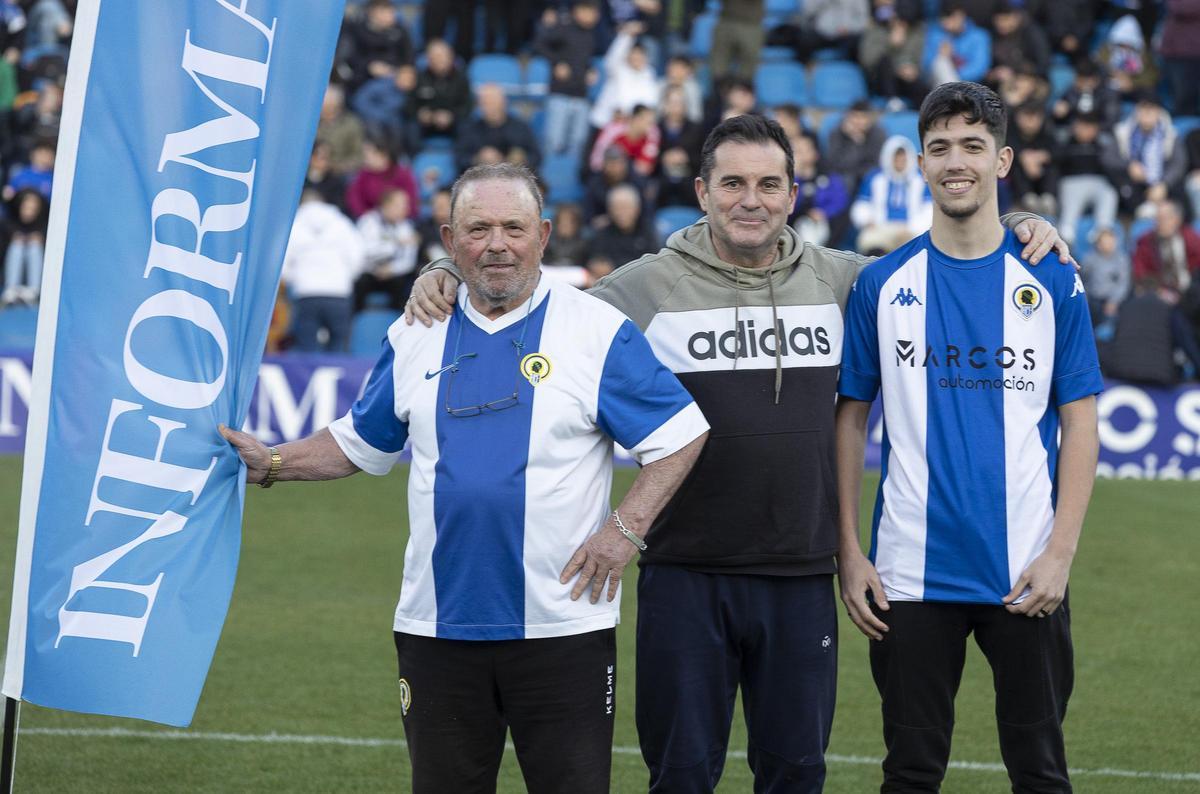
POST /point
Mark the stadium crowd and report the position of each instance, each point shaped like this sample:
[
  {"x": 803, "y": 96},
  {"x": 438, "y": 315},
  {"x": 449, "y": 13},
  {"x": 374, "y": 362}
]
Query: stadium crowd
[{"x": 610, "y": 101}]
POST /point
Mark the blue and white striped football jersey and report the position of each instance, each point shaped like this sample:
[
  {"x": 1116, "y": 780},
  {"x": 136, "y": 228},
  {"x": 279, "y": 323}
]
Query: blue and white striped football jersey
[
  {"x": 500, "y": 497},
  {"x": 973, "y": 358}
]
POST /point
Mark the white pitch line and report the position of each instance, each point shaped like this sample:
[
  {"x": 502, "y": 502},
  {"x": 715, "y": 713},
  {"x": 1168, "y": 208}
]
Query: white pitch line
[{"x": 349, "y": 741}]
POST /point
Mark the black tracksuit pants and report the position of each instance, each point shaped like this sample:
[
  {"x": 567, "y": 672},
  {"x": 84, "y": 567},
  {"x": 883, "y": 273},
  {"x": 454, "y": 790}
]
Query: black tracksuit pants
[{"x": 918, "y": 666}]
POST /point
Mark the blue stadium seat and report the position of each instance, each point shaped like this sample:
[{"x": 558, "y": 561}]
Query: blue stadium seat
[
  {"x": 369, "y": 329},
  {"x": 537, "y": 122},
  {"x": 669, "y": 220},
  {"x": 902, "y": 122},
  {"x": 1061, "y": 77},
  {"x": 18, "y": 327},
  {"x": 433, "y": 169},
  {"x": 496, "y": 68},
  {"x": 594, "y": 88},
  {"x": 776, "y": 7},
  {"x": 561, "y": 174},
  {"x": 438, "y": 143},
  {"x": 1138, "y": 229},
  {"x": 700, "y": 43},
  {"x": 837, "y": 84},
  {"x": 780, "y": 84},
  {"x": 536, "y": 82},
  {"x": 777, "y": 55},
  {"x": 1185, "y": 124},
  {"x": 1083, "y": 236}
]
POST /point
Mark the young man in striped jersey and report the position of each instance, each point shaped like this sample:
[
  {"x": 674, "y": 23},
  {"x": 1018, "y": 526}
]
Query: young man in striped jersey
[{"x": 981, "y": 359}]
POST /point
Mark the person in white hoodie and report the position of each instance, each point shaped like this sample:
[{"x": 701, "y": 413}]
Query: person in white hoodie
[
  {"x": 629, "y": 78},
  {"x": 324, "y": 257},
  {"x": 390, "y": 243},
  {"x": 893, "y": 204}
]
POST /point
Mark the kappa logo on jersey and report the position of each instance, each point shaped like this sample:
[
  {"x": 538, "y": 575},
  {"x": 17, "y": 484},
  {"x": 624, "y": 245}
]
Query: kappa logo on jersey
[
  {"x": 535, "y": 367},
  {"x": 1077, "y": 288},
  {"x": 405, "y": 697},
  {"x": 1027, "y": 299},
  {"x": 906, "y": 298},
  {"x": 751, "y": 342}
]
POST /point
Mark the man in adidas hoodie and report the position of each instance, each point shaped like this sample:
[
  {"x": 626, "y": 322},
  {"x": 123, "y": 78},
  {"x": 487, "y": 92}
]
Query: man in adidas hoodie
[{"x": 736, "y": 585}]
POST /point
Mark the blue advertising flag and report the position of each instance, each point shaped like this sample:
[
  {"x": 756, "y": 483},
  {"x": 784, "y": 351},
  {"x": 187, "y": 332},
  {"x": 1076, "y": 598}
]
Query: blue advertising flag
[{"x": 186, "y": 131}]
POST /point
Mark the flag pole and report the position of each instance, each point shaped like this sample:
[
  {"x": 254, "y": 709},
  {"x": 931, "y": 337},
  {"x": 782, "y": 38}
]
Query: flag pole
[{"x": 8, "y": 755}]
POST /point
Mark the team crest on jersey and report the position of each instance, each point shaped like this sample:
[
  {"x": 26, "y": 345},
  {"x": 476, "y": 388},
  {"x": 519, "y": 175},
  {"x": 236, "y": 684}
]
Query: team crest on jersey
[
  {"x": 1027, "y": 299},
  {"x": 536, "y": 368},
  {"x": 405, "y": 697}
]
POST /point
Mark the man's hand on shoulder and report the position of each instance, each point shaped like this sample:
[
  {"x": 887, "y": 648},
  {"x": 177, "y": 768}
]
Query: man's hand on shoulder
[
  {"x": 432, "y": 298},
  {"x": 1040, "y": 238}
]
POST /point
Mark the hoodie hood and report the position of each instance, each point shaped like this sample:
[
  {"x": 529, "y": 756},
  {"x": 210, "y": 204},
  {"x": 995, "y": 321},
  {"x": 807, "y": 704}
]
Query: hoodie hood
[
  {"x": 695, "y": 243},
  {"x": 1126, "y": 31},
  {"x": 888, "y": 152}
]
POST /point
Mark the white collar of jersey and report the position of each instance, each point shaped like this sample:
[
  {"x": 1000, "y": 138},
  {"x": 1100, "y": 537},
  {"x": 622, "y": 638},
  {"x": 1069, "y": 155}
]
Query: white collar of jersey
[{"x": 517, "y": 314}]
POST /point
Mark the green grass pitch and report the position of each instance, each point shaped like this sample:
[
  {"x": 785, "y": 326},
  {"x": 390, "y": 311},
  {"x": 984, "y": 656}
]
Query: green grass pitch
[{"x": 307, "y": 652}]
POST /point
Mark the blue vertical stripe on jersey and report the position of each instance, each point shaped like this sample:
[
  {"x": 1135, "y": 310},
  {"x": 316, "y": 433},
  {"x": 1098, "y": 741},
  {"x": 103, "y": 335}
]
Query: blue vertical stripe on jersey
[
  {"x": 966, "y": 555},
  {"x": 374, "y": 415},
  {"x": 479, "y": 484}
]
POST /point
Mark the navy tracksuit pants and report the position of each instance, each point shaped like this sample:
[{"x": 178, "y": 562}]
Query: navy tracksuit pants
[{"x": 702, "y": 635}]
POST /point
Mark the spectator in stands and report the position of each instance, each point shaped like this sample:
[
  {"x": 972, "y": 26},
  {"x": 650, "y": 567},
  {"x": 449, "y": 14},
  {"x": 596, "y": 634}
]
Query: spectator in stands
[
  {"x": 614, "y": 171},
  {"x": 1105, "y": 269},
  {"x": 649, "y": 14},
  {"x": 893, "y": 204},
  {"x": 380, "y": 172},
  {"x": 829, "y": 24},
  {"x": 29, "y": 213},
  {"x": 790, "y": 118},
  {"x": 513, "y": 18},
  {"x": 629, "y": 77},
  {"x": 625, "y": 237},
  {"x": 736, "y": 97},
  {"x": 38, "y": 120},
  {"x": 821, "y": 199},
  {"x": 1088, "y": 94},
  {"x": 1149, "y": 156},
  {"x": 854, "y": 147},
  {"x": 1069, "y": 25},
  {"x": 494, "y": 135},
  {"x": 1180, "y": 50},
  {"x": 637, "y": 135},
  {"x": 1166, "y": 262},
  {"x": 1083, "y": 181},
  {"x": 1130, "y": 68},
  {"x": 1022, "y": 86},
  {"x": 342, "y": 130},
  {"x": 567, "y": 246},
  {"x": 13, "y": 26},
  {"x": 442, "y": 97},
  {"x": 321, "y": 177},
  {"x": 890, "y": 53},
  {"x": 681, "y": 74},
  {"x": 429, "y": 228},
  {"x": 390, "y": 247},
  {"x": 737, "y": 40},
  {"x": 568, "y": 43},
  {"x": 1034, "y": 173},
  {"x": 1192, "y": 182},
  {"x": 956, "y": 48},
  {"x": 679, "y": 159},
  {"x": 377, "y": 45},
  {"x": 324, "y": 257},
  {"x": 49, "y": 24},
  {"x": 37, "y": 175},
  {"x": 1016, "y": 41},
  {"x": 459, "y": 12}
]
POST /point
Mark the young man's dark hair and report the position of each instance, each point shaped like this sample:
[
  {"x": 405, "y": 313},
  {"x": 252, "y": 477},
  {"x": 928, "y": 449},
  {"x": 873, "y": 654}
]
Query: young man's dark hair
[
  {"x": 977, "y": 103},
  {"x": 750, "y": 128}
]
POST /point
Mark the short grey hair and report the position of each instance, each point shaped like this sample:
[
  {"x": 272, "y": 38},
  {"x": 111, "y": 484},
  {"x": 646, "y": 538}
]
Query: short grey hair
[{"x": 496, "y": 171}]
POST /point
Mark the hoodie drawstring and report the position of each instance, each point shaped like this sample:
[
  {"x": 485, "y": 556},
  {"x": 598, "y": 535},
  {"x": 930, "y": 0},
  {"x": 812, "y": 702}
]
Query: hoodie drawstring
[{"x": 779, "y": 341}]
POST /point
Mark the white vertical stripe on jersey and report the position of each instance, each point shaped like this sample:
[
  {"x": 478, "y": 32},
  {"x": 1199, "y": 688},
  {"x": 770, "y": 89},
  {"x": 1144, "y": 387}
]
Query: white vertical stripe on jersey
[
  {"x": 900, "y": 546},
  {"x": 1026, "y": 469},
  {"x": 560, "y": 475}
]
